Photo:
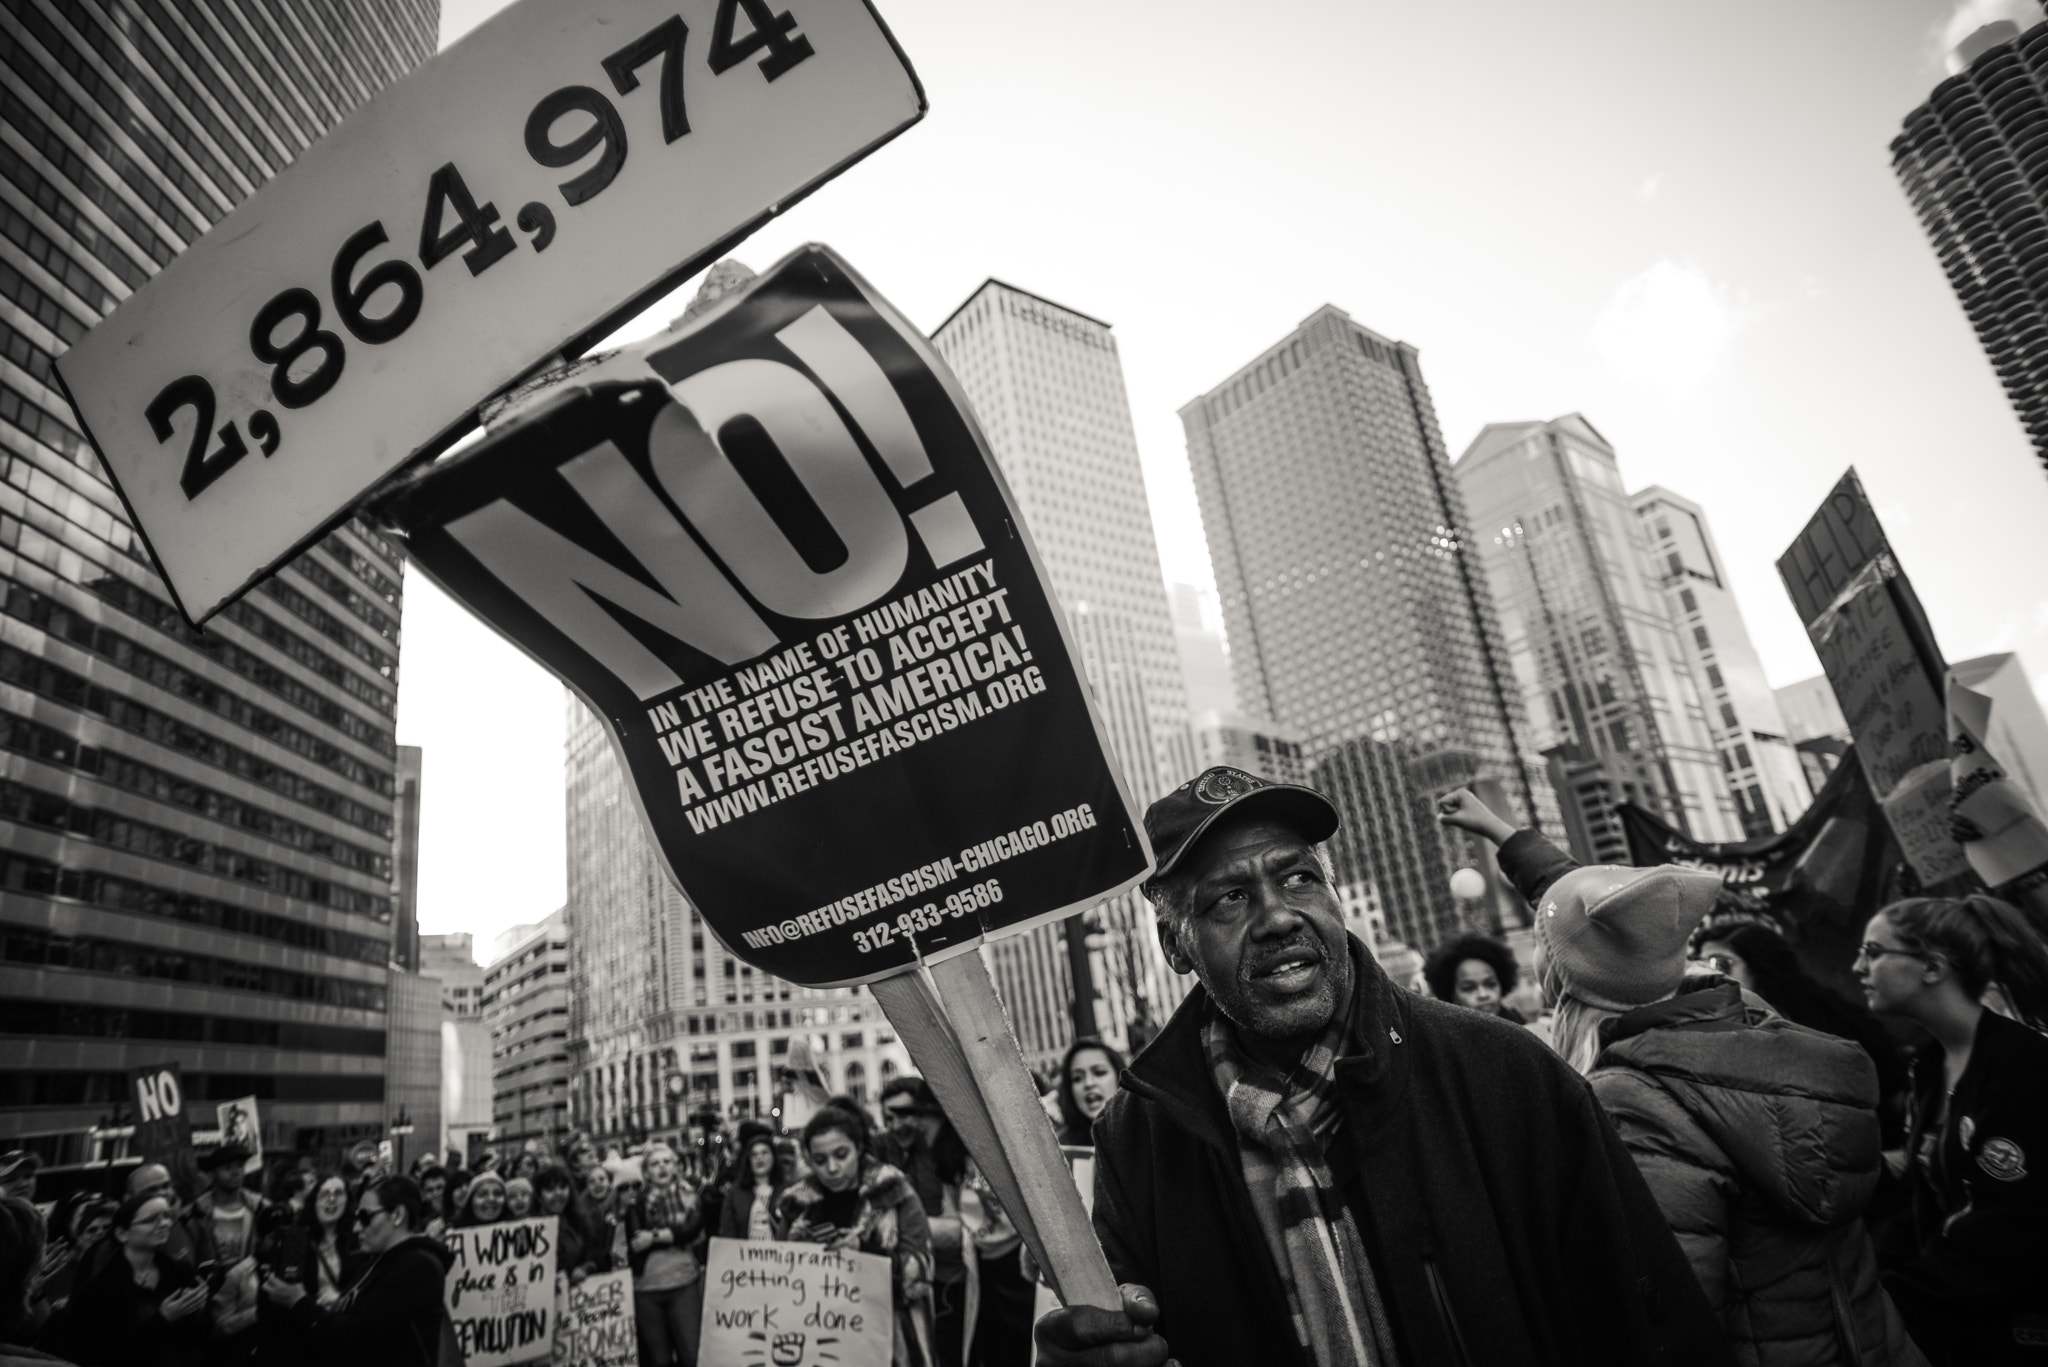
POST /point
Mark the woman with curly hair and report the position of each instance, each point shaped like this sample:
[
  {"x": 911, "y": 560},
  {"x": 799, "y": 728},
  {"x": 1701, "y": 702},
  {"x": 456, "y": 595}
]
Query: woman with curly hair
[
  {"x": 1477, "y": 972},
  {"x": 1968, "y": 1265},
  {"x": 852, "y": 1200}
]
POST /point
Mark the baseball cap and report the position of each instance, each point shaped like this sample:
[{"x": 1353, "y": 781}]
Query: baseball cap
[
  {"x": 1177, "y": 821},
  {"x": 224, "y": 1155},
  {"x": 12, "y": 1161}
]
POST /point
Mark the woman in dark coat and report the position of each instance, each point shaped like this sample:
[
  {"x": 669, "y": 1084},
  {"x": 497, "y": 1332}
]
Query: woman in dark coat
[
  {"x": 759, "y": 1177},
  {"x": 1758, "y": 1138},
  {"x": 393, "y": 1313},
  {"x": 142, "y": 1309}
]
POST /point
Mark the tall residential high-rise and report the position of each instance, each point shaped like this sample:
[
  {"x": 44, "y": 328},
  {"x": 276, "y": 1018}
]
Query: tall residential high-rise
[
  {"x": 466, "y": 1085},
  {"x": 1608, "y": 686},
  {"x": 198, "y": 826},
  {"x": 664, "y": 1023},
  {"x": 1967, "y": 162},
  {"x": 1355, "y": 611},
  {"x": 1048, "y": 385},
  {"x": 405, "y": 860},
  {"x": 526, "y": 1005},
  {"x": 1758, "y": 760}
]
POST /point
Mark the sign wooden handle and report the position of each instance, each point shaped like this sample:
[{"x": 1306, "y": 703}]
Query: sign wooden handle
[{"x": 960, "y": 1039}]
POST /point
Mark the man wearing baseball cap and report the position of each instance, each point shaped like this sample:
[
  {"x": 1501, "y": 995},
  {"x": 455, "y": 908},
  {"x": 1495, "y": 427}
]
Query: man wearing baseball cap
[{"x": 1311, "y": 1166}]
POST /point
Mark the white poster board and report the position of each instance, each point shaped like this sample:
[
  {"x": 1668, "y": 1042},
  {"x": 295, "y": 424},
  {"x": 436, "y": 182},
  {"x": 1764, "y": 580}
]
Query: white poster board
[
  {"x": 597, "y": 1323},
  {"x": 239, "y": 1124},
  {"x": 795, "y": 1305},
  {"x": 501, "y": 1291},
  {"x": 522, "y": 192}
]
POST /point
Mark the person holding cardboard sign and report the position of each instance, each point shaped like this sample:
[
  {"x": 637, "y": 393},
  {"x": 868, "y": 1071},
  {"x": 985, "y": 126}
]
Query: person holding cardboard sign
[{"x": 1312, "y": 1166}]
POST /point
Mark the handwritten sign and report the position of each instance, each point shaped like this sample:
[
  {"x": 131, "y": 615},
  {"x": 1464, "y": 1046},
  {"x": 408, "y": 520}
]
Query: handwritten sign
[
  {"x": 501, "y": 1290},
  {"x": 795, "y": 1305},
  {"x": 597, "y": 1323},
  {"x": 239, "y": 1124}
]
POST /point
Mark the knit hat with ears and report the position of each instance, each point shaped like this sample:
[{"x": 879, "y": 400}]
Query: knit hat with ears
[{"x": 1615, "y": 938}]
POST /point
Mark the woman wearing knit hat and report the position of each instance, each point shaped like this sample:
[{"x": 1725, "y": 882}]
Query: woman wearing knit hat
[
  {"x": 1968, "y": 1260},
  {"x": 1759, "y": 1138}
]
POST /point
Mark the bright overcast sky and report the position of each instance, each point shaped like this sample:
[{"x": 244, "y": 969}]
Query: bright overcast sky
[{"x": 1679, "y": 220}]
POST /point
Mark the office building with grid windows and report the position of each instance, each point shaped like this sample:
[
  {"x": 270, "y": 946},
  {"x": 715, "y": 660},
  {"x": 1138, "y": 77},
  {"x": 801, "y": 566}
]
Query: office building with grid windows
[
  {"x": 526, "y": 1004},
  {"x": 1609, "y": 688},
  {"x": 665, "y": 1023},
  {"x": 1047, "y": 384},
  {"x": 1355, "y": 611},
  {"x": 1758, "y": 759},
  {"x": 197, "y": 826}
]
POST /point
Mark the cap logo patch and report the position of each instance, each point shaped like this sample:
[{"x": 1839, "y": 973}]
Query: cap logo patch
[
  {"x": 1220, "y": 785},
  {"x": 2003, "y": 1160}
]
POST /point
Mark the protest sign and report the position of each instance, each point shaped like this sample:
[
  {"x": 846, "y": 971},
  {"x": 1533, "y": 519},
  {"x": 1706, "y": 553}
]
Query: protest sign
[
  {"x": 579, "y": 160},
  {"x": 795, "y": 1305},
  {"x": 2011, "y": 839},
  {"x": 597, "y": 1323},
  {"x": 163, "y": 1134},
  {"x": 239, "y": 1124},
  {"x": 1917, "y": 808},
  {"x": 501, "y": 1290},
  {"x": 771, "y": 548}
]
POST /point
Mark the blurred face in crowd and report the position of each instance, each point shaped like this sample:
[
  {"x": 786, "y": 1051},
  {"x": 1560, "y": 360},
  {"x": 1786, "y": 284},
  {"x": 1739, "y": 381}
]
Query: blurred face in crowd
[
  {"x": 330, "y": 1200},
  {"x": 906, "y": 1126},
  {"x": 1264, "y": 933},
  {"x": 433, "y": 1188},
  {"x": 1892, "y": 975},
  {"x": 227, "y": 1179},
  {"x": 152, "y": 1227},
  {"x": 488, "y": 1202},
  {"x": 761, "y": 1160},
  {"x": 93, "y": 1231},
  {"x": 597, "y": 1185},
  {"x": 1092, "y": 1079},
  {"x": 660, "y": 1163},
  {"x": 582, "y": 1154},
  {"x": 554, "y": 1199},
  {"x": 152, "y": 1178},
  {"x": 835, "y": 1160},
  {"x": 1477, "y": 985},
  {"x": 378, "y": 1227},
  {"x": 518, "y": 1199},
  {"x": 1723, "y": 959}
]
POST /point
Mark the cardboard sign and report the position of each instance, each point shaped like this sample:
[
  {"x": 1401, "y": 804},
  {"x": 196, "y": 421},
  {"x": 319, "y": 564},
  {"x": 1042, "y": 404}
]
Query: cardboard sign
[
  {"x": 597, "y": 1323},
  {"x": 513, "y": 199},
  {"x": 501, "y": 1290},
  {"x": 1841, "y": 538},
  {"x": 2012, "y": 839},
  {"x": 162, "y": 1133},
  {"x": 772, "y": 550},
  {"x": 239, "y": 1124},
  {"x": 1917, "y": 809},
  {"x": 795, "y": 1305}
]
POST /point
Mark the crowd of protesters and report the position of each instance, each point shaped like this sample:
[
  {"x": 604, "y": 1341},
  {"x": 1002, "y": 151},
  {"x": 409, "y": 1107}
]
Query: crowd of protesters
[{"x": 1680, "y": 1147}]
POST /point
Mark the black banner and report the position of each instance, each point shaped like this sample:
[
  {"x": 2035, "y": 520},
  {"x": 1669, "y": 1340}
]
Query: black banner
[
  {"x": 1817, "y": 883},
  {"x": 771, "y": 549}
]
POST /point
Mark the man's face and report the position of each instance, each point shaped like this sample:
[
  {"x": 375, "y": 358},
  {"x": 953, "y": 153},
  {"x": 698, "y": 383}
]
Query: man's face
[
  {"x": 1266, "y": 934},
  {"x": 227, "y": 1178},
  {"x": 906, "y": 1126}
]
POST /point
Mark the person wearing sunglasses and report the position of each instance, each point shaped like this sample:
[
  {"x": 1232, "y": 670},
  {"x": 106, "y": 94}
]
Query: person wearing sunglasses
[
  {"x": 144, "y": 1308},
  {"x": 1968, "y": 1262},
  {"x": 394, "y": 1312}
]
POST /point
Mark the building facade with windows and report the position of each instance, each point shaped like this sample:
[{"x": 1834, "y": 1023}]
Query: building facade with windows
[
  {"x": 1356, "y": 612},
  {"x": 1758, "y": 761},
  {"x": 197, "y": 826},
  {"x": 526, "y": 1005},
  {"x": 1047, "y": 383},
  {"x": 664, "y": 1022},
  {"x": 1609, "y": 687}
]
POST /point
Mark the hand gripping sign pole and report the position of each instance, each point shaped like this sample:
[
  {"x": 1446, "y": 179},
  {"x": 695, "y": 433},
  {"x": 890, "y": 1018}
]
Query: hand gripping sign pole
[{"x": 770, "y": 548}]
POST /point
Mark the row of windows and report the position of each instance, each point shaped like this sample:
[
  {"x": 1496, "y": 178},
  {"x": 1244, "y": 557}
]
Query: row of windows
[
  {"x": 41, "y": 878},
  {"x": 37, "y": 73},
  {"x": 362, "y": 566},
  {"x": 39, "y": 247},
  {"x": 339, "y": 589},
  {"x": 33, "y": 807},
  {"x": 15, "y": 344},
  {"x": 283, "y": 129},
  {"x": 108, "y": 1089},
  {"x": 39, "y": 676},
  {"x": 54, "y": 747},
  {"x": 31, "y": 299},
  {"x": 113, "y": 1022},
  {"x": 19, "y": 410},
  {"x": 39, "y": 610},
  {"x": 45, "y": 949},
  {"x": 328, "y": 625},
  {"x": 87, "y": 183}
]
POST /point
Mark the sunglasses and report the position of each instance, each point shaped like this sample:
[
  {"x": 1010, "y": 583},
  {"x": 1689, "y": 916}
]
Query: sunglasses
[{"x": 366, "y": 1214}]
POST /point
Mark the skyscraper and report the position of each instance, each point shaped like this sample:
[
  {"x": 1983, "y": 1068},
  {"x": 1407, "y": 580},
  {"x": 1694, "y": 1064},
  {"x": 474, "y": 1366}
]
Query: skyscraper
[
  {"x": 1968, "y": 161},
  {"x": 665, "y": 1023},
  {"x": 526, "y": 1003},
  {"x": 1582, "y": 612},
  {"x": 198, "y": 826},
  {"x": 1048, "y": 385},
  {"x": 1355, "y": 611},
  {"x": 1758, "y": 761}
]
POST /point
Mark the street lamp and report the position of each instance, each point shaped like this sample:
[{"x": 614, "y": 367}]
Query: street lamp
[{"x": 400, "y": 1128}]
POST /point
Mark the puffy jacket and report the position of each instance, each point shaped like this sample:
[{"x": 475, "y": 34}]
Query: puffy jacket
[{"x": 1759, "y": 1139}]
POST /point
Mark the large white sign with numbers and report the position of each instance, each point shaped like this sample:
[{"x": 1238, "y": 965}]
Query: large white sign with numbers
[{"x": 519, "y": 194}]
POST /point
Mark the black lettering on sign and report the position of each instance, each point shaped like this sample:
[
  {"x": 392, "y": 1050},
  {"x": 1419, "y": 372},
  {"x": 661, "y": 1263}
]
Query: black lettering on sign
[
  {"x": 351, "y": 300},
  {"x": 300, "y": 304},
  {"x": 605, "y": 128},
  {"x": 474, "y": 223},
  {"x": 665, "y": 41},
  {"x": 775, "y": 32},
  {"x": 201, "y": 469}
]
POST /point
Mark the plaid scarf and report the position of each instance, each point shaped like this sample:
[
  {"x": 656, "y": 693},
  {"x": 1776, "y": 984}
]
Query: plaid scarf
[{"x": 1282, "y": 1124}]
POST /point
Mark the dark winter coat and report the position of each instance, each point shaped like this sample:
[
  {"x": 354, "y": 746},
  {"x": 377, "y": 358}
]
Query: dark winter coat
[
  {"x": 115, "y": 1323},
  {"x": 738, "y": 1209},
  {"x": 1506, "y": 1224},
  {"x": 391, "y": 1315},
  {"x": 1968, "y": 1264},
  {"x": 1759, "y": 1139}
]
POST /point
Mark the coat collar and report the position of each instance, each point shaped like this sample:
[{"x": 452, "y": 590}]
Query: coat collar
[{"x": 1173, "y": 1071}]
